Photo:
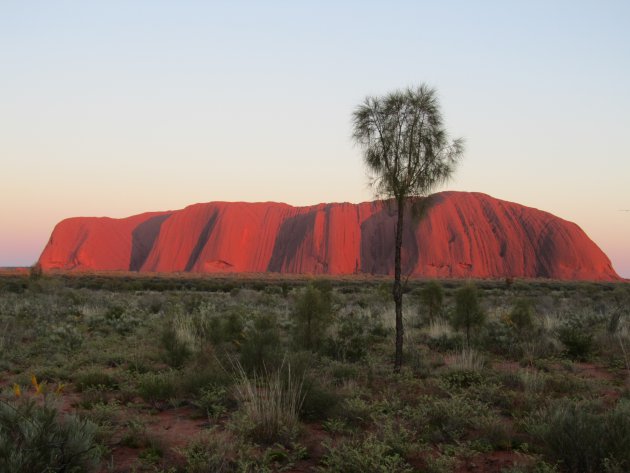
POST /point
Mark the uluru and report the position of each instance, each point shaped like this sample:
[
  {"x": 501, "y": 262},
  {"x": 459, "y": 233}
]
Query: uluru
[{"x": 460, "y": 235}]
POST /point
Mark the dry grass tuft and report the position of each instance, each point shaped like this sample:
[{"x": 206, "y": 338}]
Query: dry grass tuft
[
  {"x": 271, "y": 402},
  {"x": 468, "y": 359}
]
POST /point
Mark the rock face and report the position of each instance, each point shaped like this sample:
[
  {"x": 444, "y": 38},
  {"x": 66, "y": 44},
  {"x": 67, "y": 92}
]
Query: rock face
[{"x": 461, "y": 235}]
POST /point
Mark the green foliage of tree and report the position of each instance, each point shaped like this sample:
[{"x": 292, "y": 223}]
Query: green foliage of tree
[
  {"x": 432, "y": 297},
  {"x": 468, "y": 312},
  {"x": 313, "y": 316},
  {"x": 260, "y": 349},
  {"x": 522, "y": 316},
  {"x": 408, "y": 153}
]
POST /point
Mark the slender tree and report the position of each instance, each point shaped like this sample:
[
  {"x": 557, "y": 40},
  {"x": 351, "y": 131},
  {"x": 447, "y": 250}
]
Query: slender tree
[
  {"x": 408, "y": 154},
  {"x": 432, "y": 296},
  {"x": 468, "y": 312}
]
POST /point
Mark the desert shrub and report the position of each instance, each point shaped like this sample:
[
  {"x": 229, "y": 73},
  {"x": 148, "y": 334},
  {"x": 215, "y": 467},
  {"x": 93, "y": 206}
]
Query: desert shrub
[
  {"x": 499, "y": 337},
  {"x": 228, "y": 328},
  {"x": 538, "y": 467},
  {"x": 395, "y": 435},
  {"x": 320, "y": 401},
  {"x": 67, "y": 337},
  {"x": 121, "y": 320},
  {"x": 175, "y": 350},
  {"x": 432, "y": 297},
  {"x": 151, "y": 303},
  {"x": 36, "y": 438},
  {"x": 203, "y": 372},
  {"x": 359, "y": 456},
  {"x": 532, "y": 380},
  {"x": 522, "y": 316},
  {"x": 191, "y": 301},
  {"x": 566, "y": 383},
  {"x": 92, "y": 396},
  {"x": 260, "y": 349},
  {"x": 136, "y": 435},
  {"x": 619, "y": 309},
  {"x": 210, "y": 453},
  {"x": 95, "y": 378},
  {"x": 446, "y": 419},
  {"x": 105, "y": 417},
  {"x": 213, "y": 400},
  {"x": 270, "y": 403},
  {"x": 577, "y": 340},
  {"x": 468, "y": 312},
  {"x": 582, "y": 439},
  {"x": 460, "y": 379},
  {"x": 355, "y": 334},
  {"x": 341, "y": 372},
  {"x": 356, "y": 412},
  {"x": 156, "y": 388},
  {"x": 313, "y": 316},
  {"x": 440, "y": 336},
  {"x": 496, "y": 433}
]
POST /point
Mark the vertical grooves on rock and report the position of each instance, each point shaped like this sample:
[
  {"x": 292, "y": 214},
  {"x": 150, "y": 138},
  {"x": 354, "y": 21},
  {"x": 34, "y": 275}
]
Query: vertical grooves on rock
[
  {"x": 461, "y": 235},
  {"x": 201, "y": 242}
]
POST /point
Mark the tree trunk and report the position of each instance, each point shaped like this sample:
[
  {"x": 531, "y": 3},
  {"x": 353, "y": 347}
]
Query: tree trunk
[
  {"x": 397, "y": 291},
  {"x": 467, "y": 335}
]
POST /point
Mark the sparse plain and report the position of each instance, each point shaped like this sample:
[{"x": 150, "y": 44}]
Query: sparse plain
[{"x": 122, "y": 373}]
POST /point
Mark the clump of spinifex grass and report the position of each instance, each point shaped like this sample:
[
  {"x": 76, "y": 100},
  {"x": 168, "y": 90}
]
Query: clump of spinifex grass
[
  {"x": 468, "y": 359},
  {"x": 271, "y": 402}
]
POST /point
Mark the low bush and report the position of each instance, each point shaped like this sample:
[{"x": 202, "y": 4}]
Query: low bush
[
  {"x": 205, "y": 371},
  {"x": 354, "y": 336},
  {"x": 36, "y": 438},
  {"x": 213, "y": 400},
  {"x": 522, "y": 316},
  {"x": 209, "y": 453},
  {"x": 446, "y": 420},
  {"x": 260, "y": 348},
  {"x": 320, "y": 401},
  {"x": 360, "y": 456},
  {"x": 577, "y": 341},
  {"x": 156, "y": 388},
  {"x": 584, "y": 440},
  {"x": 500, "y": 338},
  {"x": 229, "y": 328},
  {"x": 95, "y": 378},
  {"x": 175, "y": 350}
]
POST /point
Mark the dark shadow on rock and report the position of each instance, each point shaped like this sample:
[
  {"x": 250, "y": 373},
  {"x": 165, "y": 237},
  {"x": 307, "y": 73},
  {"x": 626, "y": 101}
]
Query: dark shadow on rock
[
  {"x": 143, "y": 239},
  {"x": 291, "y": 234},
  {"x": 378, "y": 237},
  {"x": 202, "y": 240}
]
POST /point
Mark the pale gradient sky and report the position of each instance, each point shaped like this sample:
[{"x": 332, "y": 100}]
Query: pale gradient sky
[{"x": 119, "y": 107}]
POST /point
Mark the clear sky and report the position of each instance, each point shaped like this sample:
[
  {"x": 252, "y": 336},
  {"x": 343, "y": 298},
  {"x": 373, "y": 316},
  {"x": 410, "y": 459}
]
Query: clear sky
[{"x": 119, "y": 107}]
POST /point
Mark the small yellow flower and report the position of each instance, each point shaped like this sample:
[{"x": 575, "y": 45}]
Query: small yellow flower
[
  {"x": 17, "y": 390},
  {"x": 36, "y": 385},
  {"x": 60, "y": 388}
]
